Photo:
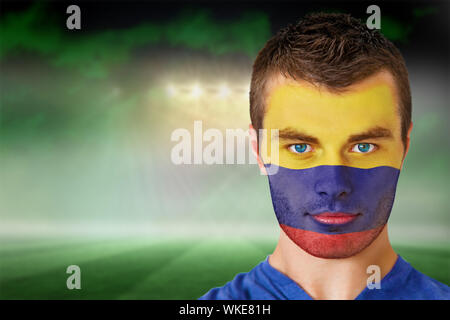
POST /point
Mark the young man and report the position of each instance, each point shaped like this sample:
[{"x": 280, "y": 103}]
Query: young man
[{"x": 336, "y": 96}]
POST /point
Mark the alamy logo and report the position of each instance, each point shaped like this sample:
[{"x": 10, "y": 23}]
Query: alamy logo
[
  {"x": 74, "y": 280},
  {"x": 74, "y": 20},
  {"x": 374, "y": 21},
  {"x": 374, "y": 280},
  {"x": 213, "y": 147}
]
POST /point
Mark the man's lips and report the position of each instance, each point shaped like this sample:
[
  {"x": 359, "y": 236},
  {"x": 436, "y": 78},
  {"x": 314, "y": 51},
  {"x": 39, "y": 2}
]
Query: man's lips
[{"x": 334, "y": 217}]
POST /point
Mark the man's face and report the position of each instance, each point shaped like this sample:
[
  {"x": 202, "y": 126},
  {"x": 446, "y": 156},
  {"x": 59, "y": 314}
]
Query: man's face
[{"x": 339, "y": 160}]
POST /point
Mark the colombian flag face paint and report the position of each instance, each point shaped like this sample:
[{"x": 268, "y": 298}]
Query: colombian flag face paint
[{"x": 339, "y": 161}]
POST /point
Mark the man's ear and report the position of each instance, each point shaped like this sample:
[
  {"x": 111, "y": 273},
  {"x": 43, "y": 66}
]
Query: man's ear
[
  {"x": 408, "y": 139},
  {"x": 254, "y": 142}
]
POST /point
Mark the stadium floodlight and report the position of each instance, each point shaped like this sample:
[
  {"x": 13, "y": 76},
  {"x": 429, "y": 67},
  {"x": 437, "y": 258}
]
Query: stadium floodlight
[
  {"x": 171, "y": 91},
  {"x": 196, "y": 91},
  {"x": 224, "y": 91}
]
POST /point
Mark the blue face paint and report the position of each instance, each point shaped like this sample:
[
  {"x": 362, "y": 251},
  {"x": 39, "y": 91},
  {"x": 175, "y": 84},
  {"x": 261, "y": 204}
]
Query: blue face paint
[{"x": 299, "y": 194}]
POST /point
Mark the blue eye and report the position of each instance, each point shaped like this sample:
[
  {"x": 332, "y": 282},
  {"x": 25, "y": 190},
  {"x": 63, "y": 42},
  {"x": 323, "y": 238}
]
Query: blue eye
[
  {"x": 300, "y": 148},
  {"x": 363, "y": 147}
]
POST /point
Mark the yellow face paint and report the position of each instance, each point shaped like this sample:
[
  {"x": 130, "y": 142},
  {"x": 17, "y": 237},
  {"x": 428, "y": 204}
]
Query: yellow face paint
[{"x": 334, "y": 123}]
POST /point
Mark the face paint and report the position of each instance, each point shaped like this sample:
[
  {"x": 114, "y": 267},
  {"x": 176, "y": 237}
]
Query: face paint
[
  {"x": 339, "y": 162},
  {"x": 366, "y": 196}
]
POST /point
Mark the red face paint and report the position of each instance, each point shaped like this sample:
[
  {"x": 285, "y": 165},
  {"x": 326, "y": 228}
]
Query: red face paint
[{"x": 332, "y": 246}]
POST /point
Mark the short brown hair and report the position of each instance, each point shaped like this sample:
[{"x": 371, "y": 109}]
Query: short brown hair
[{"x": 330, "y": 49}]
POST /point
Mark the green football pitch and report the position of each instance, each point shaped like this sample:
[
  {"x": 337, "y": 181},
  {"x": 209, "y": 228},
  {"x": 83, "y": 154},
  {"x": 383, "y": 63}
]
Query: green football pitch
[{"x": 146, "y": 268}]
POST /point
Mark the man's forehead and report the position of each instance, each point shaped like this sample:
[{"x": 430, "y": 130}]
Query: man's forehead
[
  {"x": 370, "y": 102},
  {"x": 277, "y": 80}
]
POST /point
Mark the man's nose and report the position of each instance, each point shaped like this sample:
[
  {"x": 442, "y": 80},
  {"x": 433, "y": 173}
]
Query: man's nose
[{"x": 334, "y": 183}]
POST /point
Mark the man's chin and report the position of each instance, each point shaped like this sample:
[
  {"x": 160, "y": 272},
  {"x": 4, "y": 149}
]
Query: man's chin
[{"x": 332, "y": 246}]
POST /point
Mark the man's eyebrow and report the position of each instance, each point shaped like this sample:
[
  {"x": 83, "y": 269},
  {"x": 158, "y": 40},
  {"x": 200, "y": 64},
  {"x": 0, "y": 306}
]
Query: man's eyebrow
[
  {"x": 292, "y": 134},
  {"x": 377, "y": 132}
]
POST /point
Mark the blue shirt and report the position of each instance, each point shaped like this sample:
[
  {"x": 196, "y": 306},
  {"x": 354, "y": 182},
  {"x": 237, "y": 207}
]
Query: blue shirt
[{"x": 264, "y": 282}]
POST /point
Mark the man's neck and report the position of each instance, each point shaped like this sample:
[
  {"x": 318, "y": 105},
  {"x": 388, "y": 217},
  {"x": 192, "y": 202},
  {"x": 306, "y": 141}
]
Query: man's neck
[{"x": 332, "y": 278}]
